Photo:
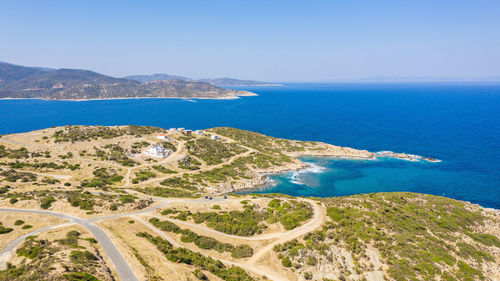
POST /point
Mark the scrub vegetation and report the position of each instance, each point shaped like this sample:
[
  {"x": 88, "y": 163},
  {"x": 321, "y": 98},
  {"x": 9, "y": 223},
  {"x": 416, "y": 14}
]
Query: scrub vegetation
[{"x": 419, "y": 237}]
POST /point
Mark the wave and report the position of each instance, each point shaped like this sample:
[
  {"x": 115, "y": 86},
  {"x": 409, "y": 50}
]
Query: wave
[
  {"x": 406, "y": 156},
  {"x": 297, "y": 176}
]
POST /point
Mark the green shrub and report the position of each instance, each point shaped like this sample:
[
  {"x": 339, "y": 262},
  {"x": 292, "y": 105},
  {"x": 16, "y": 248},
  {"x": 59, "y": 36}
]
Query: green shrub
[
  {"x": 186, "y": 256},
  {"x": 198, "y": 274},
  {"x": 83, "y": 257},
  {"x": 286, "y": 262},
  {"x": 4, "y": 229},
  {"x": 32, "y": 248},
  {"x": 242, "y": 251},
  {"x": 18, "y": 222},
  {"x": 163, "y": 170},
  {"x": 79, "y": 276},
  {"x": 47, "y": 202}
]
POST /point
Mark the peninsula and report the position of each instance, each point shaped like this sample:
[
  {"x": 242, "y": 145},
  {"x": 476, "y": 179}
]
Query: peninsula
[
  {"x": 147, "y": 203},
  {"x": 214, "y": 81},
  {"x": 21, "y": 82}
]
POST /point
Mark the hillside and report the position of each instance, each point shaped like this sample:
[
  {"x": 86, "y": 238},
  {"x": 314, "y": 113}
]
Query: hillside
[
  {"x": 157, "y": 76},
  {"x": 237, "y": 82},
  {"x": 94, "y": 203},
  {"x": 213, "y": 81},
  {"x": 73, "y": 84}
]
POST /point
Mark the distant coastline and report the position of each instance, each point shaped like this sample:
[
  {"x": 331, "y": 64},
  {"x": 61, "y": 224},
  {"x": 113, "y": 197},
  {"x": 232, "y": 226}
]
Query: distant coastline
[{"x": 138, "y": 98}]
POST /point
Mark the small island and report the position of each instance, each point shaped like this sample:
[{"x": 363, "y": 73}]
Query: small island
[{"x": 148, "y": 203}]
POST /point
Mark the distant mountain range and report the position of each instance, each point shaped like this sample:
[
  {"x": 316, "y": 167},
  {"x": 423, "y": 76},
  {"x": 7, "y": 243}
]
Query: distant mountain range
[
  {"x": 213, "y": 81},
  {"x": 75, "y": 84}
]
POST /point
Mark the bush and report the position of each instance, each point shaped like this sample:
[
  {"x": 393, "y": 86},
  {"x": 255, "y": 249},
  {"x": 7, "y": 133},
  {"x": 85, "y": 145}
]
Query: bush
[
  {"x": 4, "y": 229},
  {"x": 84, "y": 257},
  {"x": 186, "y": 256},
  {"x": 18, "y": 222},
  {"x": 242, "y": 251},
  {"x": 32, "y": 248},
  {"x": 13, "y": 200},
  {"x": 286, "y": 262},
  {"x": 312, "y": 261},
  {"x": 47, "y": 202},
  {"x": 198, "y": 274},
  {"x": 79, "y": 276}
]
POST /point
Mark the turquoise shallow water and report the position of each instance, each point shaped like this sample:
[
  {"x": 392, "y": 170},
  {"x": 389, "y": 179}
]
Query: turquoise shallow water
[
  {"x": 336, "y": 177},
  {"x": 457, "y": 123}
]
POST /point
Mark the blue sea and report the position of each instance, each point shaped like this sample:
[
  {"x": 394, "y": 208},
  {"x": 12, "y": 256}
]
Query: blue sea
[{"x": 456, "y": 123}]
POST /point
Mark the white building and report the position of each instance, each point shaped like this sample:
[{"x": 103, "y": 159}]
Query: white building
[
  {"x": 158, "y": 151},
  {"x": 199, "y": 132},
  {"x": 162, "y": 137},
  {"x": 180, "y": 129},
  {"x": 214, "y": 137}
]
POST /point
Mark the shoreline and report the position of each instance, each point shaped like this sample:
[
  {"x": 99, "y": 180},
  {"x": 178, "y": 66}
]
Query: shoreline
[
  {"x": 138, "y": 98},
  {"x": 264, "y": 176}
]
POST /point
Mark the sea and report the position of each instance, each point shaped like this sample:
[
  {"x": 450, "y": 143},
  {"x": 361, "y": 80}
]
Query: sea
[{"x": 458, "y": 123}]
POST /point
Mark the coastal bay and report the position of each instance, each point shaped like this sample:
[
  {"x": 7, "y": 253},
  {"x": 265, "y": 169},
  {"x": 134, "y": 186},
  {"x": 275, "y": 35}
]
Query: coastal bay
[{"x": 359, "y": 116}]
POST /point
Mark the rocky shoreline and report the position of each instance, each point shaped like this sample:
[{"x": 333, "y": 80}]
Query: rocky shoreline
[{"x": 261, "y": 179}]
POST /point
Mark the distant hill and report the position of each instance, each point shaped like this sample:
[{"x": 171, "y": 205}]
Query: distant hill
[
  {"x": 10, "y": 72},
  {"x": 74, "y": 84},
  {"x": 236, "y": 82},
  {"x": 213, "y": 81},
  {"x": 157, "y": 76}
]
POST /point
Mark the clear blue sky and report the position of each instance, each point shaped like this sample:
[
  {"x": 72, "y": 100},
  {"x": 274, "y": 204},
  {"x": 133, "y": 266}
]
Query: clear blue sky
[{"x": 263, "y": 40}]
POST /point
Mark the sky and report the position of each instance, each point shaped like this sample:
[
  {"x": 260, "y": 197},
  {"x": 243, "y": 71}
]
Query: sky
[{"x": 262, "y": 40}]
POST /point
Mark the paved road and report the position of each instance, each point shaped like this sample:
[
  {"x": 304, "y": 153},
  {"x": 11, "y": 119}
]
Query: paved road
[
  {"x": 7, "y": 251},
  {"x": 123, "y": 269}
]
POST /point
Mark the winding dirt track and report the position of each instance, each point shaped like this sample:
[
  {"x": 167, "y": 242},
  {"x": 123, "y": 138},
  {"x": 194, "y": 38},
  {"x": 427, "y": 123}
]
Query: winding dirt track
[{"x": 125, "y": 271}]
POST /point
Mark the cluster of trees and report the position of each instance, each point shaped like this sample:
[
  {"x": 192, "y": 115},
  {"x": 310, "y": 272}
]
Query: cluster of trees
[
  {"x": 169, "y": 145},
  {"x": 13, "y": 176},
  {"x": 201, "y": 241},
  {"x": 249, "y": 221},
  {"x": 167, "y": 192},
  {"x": 87, "y": 133},
  {"x": 186, "y": 256},
  {"x": 102, "y": 178},
  {"x": 164, "y": 170},
  {"x": 115, "y": 153},
  {"x": 180, "y": 182},
  {"x": 84, "y": 200},
  {"x": 143, "y": 175},
  {"x": 44, "y": 254},
  {"x": 14, "y": 153},
  {"x": 4, "y": 229},
  {"x": 42, "y": 165},
  {"x": 189, "y": 163},
  {"x": 243, "y": 223},
  {"x": 211, "y": 151}
]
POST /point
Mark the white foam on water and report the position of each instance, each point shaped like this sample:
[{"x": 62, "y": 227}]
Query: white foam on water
[{"x": 311, "y": 169}]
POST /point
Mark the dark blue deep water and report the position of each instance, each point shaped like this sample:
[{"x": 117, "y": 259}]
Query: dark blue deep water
[{"x": 457, "y": 123}]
